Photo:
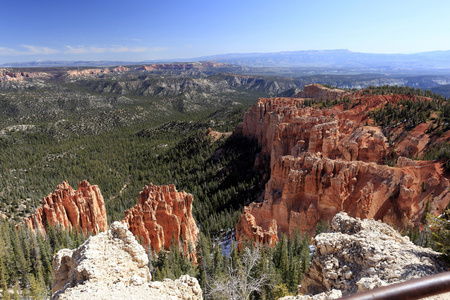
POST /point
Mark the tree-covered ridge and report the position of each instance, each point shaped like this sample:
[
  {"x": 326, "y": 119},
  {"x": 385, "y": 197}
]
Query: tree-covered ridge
[
  {"x": 327, "y": 103},
  {"x": 400, "y": 90},
  {"x": 417, "y": 107},
  {"x": 408, "y": 112}
]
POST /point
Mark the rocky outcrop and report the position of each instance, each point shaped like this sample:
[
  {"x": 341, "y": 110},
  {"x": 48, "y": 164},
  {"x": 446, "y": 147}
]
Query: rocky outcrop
[
  {"x": 6, "y": 75},
  {"x": 83, "y": 208},
  {"x": 96, "y": 72},
  {"x": 163, "y": 214},
  {"x": 120, "y": 69},
  {"x": 326, "y": 160},
  {"x": 112, "y": 265},
  {"x": 247, "y": 228},
  {"x": 215, "y": 135},
  {"x": 359, "y": 255},
  {"x": 318, "y": 91}
]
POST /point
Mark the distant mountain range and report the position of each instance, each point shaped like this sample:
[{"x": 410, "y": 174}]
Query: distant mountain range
[
  {"x": 62, "y": 63},
  {"x": 430, "y": 62},
  {"x": 435, "y": 60}
]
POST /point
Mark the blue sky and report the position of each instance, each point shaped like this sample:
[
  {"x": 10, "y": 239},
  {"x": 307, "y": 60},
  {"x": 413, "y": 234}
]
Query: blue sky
[{"x": 139, "y": 30}]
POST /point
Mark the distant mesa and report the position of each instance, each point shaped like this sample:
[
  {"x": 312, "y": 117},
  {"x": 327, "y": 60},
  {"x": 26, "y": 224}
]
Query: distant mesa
[
  {"x": 94, "y": 72},
  {"x": 83, "y": 72},
  {"x": 83, "y": 209},
  {"x": 326, "y": 160},
  {"x": 154, "y": 67},
  {"x": 181, "y": 66},
  {"x": 6, "y": 75}
]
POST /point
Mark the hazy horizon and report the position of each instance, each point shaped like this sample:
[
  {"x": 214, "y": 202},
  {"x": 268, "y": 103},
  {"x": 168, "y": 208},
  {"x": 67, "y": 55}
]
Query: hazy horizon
[{"x": 136, "y": 31}]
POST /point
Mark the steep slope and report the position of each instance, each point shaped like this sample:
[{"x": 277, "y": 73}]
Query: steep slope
[
  {"x": 83, "y": 208},
  {"x": 325, "y": 160},
  {"x": 112, "y": 265},
  {"x": 163, "y": 214}
]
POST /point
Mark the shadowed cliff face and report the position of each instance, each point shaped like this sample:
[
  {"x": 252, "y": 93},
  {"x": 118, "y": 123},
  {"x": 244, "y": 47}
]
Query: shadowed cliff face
[
  {"x": 163, "y": 214},
  {"x": 326, "y": 160},
  {"x": 83, "y": 208}
]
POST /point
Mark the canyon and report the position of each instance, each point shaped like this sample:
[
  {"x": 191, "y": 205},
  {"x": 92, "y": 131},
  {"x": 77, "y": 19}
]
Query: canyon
[{"x": 323, "y": 160}]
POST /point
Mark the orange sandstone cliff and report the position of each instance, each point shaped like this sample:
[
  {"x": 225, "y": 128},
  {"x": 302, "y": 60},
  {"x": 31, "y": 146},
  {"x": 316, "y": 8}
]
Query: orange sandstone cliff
[
  {"x": 163, "y": 213},
  {"x": 326, "y": 160},
  {"x": 83, "y": 208}
]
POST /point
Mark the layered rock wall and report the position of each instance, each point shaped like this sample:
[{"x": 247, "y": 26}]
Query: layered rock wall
[
  {"x": 83, "y": 208},
  {"x": 163, "y": 214},
  {"x": 326, "y": 160}
]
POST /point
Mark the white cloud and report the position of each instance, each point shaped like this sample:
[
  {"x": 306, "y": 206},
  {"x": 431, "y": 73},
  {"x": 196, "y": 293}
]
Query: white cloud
[
  {"x": 158, "y": 49},
  {"x": 42, "y": 50},
  {"x": 29, "y": 50},
  {"x": 39, "y": 50},
  {"x": 7, "y": 51},
  {"x": 107, "y": 49}
]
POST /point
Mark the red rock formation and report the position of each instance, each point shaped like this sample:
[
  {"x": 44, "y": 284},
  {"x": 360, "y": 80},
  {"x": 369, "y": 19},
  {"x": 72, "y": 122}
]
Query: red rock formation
[
  {"x": 120, "y": 69},
  {"x": 215, "y": 135},
  {"x": 82, "y": 208},
  {"x": 6, "y": 75},
  {"x": 317, "y": 91},
  {"x": 328, "y": 160},
  {"x": 163, "y": 213},
  {"x": 265, "y": 233}
]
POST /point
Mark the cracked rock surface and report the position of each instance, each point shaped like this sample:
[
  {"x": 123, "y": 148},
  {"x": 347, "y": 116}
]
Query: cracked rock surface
[
  {"x": 112, "y": 265},
  {"x": 359, "y": 255}
]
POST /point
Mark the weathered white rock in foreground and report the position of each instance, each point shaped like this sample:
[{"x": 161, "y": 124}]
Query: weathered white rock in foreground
[
  {"x": 360, "y": 255},
  {"x": 112, "y": 265}
]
